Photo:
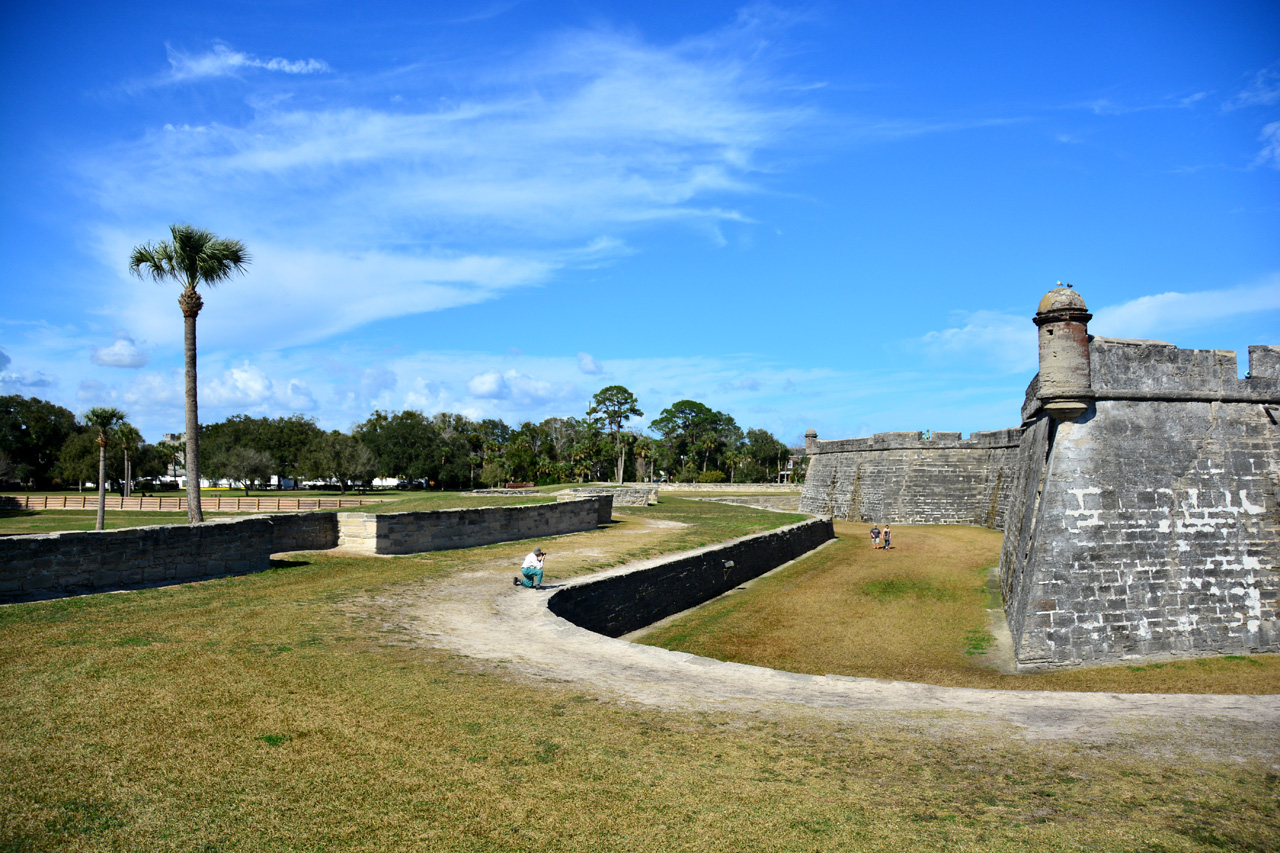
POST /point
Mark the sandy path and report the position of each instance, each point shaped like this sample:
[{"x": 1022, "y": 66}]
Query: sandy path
[{"x": 482, "y": 615}]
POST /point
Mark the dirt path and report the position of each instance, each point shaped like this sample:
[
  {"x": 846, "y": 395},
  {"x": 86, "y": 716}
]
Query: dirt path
[{"x": 482, "y": 615}]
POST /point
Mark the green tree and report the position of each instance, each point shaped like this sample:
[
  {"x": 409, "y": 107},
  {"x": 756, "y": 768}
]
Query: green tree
[
  {"x": 616, "y": 405},
  {"x": 130, "y": 440},
  {"x": 103, "y": 420},
  {"x": 248, "y": 465},
  {"x": 194, "y": 257},
  {"x": 644, "y": 450},
  {"x": 78, "y": 459},
  {"x": 32, "y": 433},
  {"x": 696, "y": 431},
  {"x": 338, "y": 456}
]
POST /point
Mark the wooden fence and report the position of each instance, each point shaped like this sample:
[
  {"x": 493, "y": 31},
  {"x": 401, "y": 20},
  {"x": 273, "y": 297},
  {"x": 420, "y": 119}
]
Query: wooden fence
[{"x": 176, "y": 503}]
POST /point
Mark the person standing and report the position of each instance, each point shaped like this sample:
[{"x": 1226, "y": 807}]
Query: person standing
[
  {"x": 875, "y": 537},
  {"x": 886, "y": 537},
  {"x": 530, "y": 575}
]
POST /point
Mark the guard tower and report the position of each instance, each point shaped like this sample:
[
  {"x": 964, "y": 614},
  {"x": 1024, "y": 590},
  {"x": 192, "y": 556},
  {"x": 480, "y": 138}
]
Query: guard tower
[{"x": 1063, "y": 319}]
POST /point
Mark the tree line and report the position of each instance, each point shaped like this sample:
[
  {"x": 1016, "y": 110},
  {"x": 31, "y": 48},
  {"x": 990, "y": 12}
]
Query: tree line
[{"x": 43, "y": 445}]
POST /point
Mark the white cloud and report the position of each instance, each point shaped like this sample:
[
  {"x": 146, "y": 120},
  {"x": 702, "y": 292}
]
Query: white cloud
[
  {"x": 1263, "y": 90},
  {"x": 123, "y": 353},
  {"x": 588, "y": 365},
  {"x": 291, "y": 296},
  {"x": 297, "y": 396},
  {"x": 489, "y": 386},
  {"x": 222, "y": 61},
  {"x": 996, "y": 341},
  {"x": 1270, "y": 153},
  {"x": 1162, "y": 313},
  {"x": 245, "y": 386},
  {"x": 4, "y": 360}
]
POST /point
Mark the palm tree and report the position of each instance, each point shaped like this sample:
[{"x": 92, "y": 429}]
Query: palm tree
[
  {"x": 104, "y": 419},
  {"x": 130, "y": 438},
  {"x": 194, "y": 257}
]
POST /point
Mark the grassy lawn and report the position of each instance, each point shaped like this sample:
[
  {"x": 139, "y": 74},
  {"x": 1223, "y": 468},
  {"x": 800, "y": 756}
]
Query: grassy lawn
[
  {"x": 277, "y": 712},
  {"x": 917, "y": 612}
]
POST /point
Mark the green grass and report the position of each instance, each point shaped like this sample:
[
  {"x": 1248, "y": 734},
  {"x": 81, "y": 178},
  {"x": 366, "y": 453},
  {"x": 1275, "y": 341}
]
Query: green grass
[
  {"x": 281, "y": 712},
  {"x": 917, "y": 612}
]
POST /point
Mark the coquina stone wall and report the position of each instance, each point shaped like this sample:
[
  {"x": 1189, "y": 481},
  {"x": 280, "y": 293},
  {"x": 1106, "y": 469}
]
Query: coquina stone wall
[
  {"x": 622, "y": 495},
  {"x": 1149, "y": 523},
  {"x": 618, "y": 604},
  {"x": 438, "y": 530},
  {"x": 904, "y": 478},
  {"x": 53, "y": 565}
]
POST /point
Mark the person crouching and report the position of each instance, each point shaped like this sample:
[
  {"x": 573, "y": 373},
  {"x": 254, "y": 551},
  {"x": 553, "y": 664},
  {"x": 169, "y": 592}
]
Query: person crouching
[{"x": 531, "y": 571}]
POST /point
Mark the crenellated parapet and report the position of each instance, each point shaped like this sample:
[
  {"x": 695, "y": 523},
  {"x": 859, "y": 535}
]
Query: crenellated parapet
[
  {"x": 1155, "y": 371},
  {"x": 1003, "y": 438}
]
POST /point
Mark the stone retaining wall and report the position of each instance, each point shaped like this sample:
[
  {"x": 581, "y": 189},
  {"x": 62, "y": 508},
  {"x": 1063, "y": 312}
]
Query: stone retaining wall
[
  {"x": 618, "y": 604},
  {"x": 304, "y": 531},
  {"x": 622, "y": 496},
  {"x": 441, "y": 529},
  {"x": 904, "y": 478},
  {"x": 53, "y": 565}
]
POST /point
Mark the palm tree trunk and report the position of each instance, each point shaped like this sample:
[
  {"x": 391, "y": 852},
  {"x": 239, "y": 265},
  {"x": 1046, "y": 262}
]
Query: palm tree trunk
[
  {"x": 191, "y": 303},
  {"x": 102, "y": 487}
]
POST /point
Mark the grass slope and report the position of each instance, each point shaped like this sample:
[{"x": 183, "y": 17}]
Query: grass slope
[
  {"x": 278, "y": 712},
  {"x": 917, "y": 612}
]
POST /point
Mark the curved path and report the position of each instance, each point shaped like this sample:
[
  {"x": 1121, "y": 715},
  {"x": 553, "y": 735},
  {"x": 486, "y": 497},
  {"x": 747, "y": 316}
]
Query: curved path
[{"x": 482, "y": 615}]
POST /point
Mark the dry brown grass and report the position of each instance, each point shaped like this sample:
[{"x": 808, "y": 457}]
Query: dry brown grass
[
  {"x": 917, "y": 612},
  {"x": 257, "y": 714}
]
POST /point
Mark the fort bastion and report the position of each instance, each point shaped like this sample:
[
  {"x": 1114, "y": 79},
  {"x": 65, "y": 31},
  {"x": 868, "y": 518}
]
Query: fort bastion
[{"x": 1139, "y": 497}]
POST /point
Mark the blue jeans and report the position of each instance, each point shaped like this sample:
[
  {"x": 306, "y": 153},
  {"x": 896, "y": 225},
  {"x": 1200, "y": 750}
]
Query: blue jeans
[{"x": 532, "y": 576}]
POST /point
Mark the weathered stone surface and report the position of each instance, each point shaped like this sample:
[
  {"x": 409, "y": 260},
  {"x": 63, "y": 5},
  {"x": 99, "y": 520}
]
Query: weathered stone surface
[
  {"x": 1149, "y": 524},
  {"x": 903, "y": 478},
  {"x": 622, "y": 495},
  {"x": 438, "y": 530},
  {"x": 617, "y": 604}
]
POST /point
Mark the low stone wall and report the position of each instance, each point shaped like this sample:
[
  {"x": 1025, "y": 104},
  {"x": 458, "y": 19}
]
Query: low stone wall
[
  {"x": 623, "y": 496},
  {"x": 53, "y": 565},
  {"x": 788, "y": 503},
  {"x": 441, "y": 529},
  {"x": 307, "y": 531},
  {"x": 617, "y": 604},
  {"x": 726, "y": 487}
]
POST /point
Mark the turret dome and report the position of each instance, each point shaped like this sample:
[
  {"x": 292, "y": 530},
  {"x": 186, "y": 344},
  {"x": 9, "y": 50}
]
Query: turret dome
[{"x": 1062, "y": 299}]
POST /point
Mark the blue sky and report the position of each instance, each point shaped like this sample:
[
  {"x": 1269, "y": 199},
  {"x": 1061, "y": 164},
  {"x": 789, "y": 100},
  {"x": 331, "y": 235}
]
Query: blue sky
[{"x": 838, "y": 216}]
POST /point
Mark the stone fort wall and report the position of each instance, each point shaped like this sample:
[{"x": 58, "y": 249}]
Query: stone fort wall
[
  {"x": 1140, "y": 498},
  {"x": 904, "y": 478},
  {"x": 1149, "y": 523}
]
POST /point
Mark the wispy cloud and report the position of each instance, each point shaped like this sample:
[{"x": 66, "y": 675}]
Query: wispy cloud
[
  {"x": 987, "y": 339},
  {"x": 1270, "y": 153},
  {"x": 1263, "y": 91},
  {"x": 222, "y": 60}
]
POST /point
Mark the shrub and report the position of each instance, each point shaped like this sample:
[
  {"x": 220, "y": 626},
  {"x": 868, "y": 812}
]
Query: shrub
[{"x": 712, "y": 477}]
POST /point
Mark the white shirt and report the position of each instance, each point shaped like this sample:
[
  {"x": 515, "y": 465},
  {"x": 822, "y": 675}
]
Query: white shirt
[{"x": 533, "y": 561}]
